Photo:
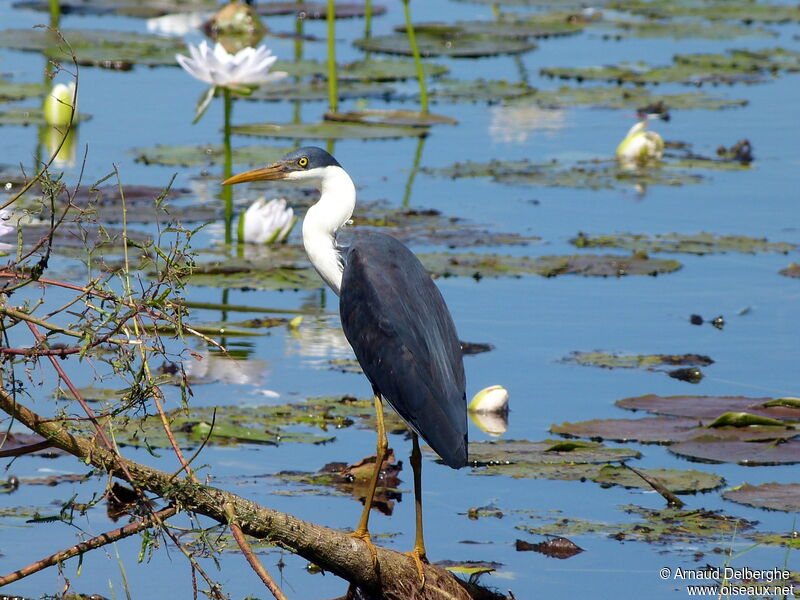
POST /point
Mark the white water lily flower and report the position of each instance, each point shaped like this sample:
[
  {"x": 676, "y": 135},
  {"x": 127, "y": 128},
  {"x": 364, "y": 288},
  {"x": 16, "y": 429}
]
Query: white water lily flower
[
  {"x": 640, "y": 147},
  {"x": 248, "y": 67},
  {"x": 493, "y": 399},
  {"x": 58, "y": 105},
  {"x": 266, "y": 222},
  {"x": 5, "y": 229}
]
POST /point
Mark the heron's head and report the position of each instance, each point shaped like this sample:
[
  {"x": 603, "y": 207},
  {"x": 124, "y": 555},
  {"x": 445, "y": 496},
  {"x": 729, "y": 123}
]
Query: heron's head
[{"x": 307, "y": 165}]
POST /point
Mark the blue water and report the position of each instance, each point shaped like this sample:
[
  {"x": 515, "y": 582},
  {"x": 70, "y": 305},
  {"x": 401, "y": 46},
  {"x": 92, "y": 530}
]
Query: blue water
[{"x": 532, "y": 322}]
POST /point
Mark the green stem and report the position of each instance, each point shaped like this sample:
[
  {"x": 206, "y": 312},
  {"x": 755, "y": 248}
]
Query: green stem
[
  {"x": 414, "y": 170},
  {"x": 333, "y": 96},
  {"x": 298, "y": 40},
  {"x": 367, "y": 23},
  {"x": 227, "y": 191},
  {"x": 412, "y": 39},
  {"x": 55, "y": 14}
]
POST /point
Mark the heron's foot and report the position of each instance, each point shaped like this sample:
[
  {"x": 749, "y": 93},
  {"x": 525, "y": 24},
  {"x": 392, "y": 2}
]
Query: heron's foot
[
  {"x": 418, "y": 555},
  {"x": 363, "y": 535}
]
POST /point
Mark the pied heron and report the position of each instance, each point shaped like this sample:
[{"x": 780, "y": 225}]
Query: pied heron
[{"x": 394, "y": 317}]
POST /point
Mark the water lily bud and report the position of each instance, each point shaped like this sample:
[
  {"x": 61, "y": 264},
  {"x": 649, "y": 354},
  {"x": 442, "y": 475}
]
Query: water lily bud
[
  {"x": 266, "y": 222},
  {"x": 52, "y": 136},
  {"x": 493, "y": 399},
  {"x": 640, "y": 147},
  {"x": 58, "y": 105},
  {"x": 5, "y": 230}
]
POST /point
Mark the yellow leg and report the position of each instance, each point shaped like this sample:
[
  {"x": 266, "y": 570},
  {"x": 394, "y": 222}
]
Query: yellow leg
[
  {"x": 418, "y": 553},
  {"x": 362, "y": 531}
]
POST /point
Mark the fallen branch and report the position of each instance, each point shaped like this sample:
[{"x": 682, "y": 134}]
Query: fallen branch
[{"x": 393, "y": 577}]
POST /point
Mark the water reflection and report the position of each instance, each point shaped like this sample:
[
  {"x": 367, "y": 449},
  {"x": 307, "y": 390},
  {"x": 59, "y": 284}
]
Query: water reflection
[
  {"x": 234, "y": 367},
  {"x": 319, "y": 337},
  {"x": 51, "y": 137},
  {"x": 511, "y": 124},
  {"x": 495, "y": 424}
]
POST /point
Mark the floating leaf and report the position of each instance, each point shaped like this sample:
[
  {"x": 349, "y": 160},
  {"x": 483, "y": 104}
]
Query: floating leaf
[
  {"x": 548, "y": 459},
  {"x": 715, "y": 450},
  {"x": 737, "y": 66},
  {"x": 13, "y": 90},
  {"x": 185, "y": 156},
  {"x": 147, "y": 9},
  {"x": 671, "y": 526},
  {"x": 93, "y": 47},
  {"x": 456, "y": 45},
  {"x": 559, "y": 547},
  {"x": 683, "y": 29},
  {"x": 607, "y": 360},
  {"x": 474, "y": 90},
  {"x": 472, "y": 568},
  {"x": 91, "y": 394},
  {"x": 544, "y": 25},
  {"x": 386, "y": 69},
  {"x": 391, "y": 117},
  {"x": 594, "y": 174},
  {"x": 715, "y": 10},
  {"x": 677, "y": 481},
  {"x": 317, "y": 90},
  {"x": 476, "y": 265},
  {"x": 630, "y": 98},
  {"x": 663, "y": 430},
  {"x": 328, "y": 130},
  {"x": 707, "y": 407},
  {"x": 793, "y": 270},
  {"x": 28, "y": 115},
  {"x": 698, "y": 243},
  {"x": 281, "y": 269},
  {"x": 774, "y": 496}
]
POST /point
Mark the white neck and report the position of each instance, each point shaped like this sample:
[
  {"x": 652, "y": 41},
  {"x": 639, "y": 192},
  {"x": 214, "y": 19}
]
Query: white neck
[{"x": 333, "y": 209}]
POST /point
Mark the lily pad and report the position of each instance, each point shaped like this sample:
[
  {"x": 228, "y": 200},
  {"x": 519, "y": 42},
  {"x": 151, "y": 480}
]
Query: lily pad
[
  {"x": 28, "y": 115},
  {"x": 284, "y": 268},
  {"x": 543, "y": 25},
  {"x": 668, "y": 526},
  {"x": 93, "y": 47},
  {"x": 593, "y": 174},
  {"x": 714, "y": 10},
  {"x": 709, "y": 407},
  {"x": 316, "y": 10},
  {"x": 496, "y": 265},
  {"x": 456, "y": 45},
  {"x": 677, "y": 481},
  {"x": 630, "y": 98},
  {"x": 328, "y": 130},
  {"x": 156, "y": 8},
  {"x": 714, "y": 450},
  {"x": 387, "y": 69},
  {"x": 650, "y": 362},
  {"x": 475, "y": 90},
  {"x": 684, "y": 29},
  {"x": 736, "y": 66},
  {"x": 186, "y": 156},
  {"x": 391, "y": 117},
  {"x": 793, "y": 270},
  {"x": 548, "y": 459},
  {"x": 235, "y": 424},
  {"x": 18, "y": 90},
  {"x": 773, "y": 496},
  {"x": 699, "y": 243},
  {"x": 317, "y": 90}
]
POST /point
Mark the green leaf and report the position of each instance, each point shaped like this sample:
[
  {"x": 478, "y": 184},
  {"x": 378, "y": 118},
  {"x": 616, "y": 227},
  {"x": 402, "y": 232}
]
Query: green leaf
[{"x": 203, "y": 103}]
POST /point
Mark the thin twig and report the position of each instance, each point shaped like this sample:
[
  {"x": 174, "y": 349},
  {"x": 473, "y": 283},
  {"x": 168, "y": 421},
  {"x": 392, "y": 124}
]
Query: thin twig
[
  {"x": 252, "y": 559},
  {"x": 91, "y": 544}
]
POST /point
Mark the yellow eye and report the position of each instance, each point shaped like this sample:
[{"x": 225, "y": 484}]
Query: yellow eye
[{"x": 302, "y": 161}]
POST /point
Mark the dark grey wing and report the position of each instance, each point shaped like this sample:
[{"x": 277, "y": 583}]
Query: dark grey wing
[{"x": 404, "y": 338}]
